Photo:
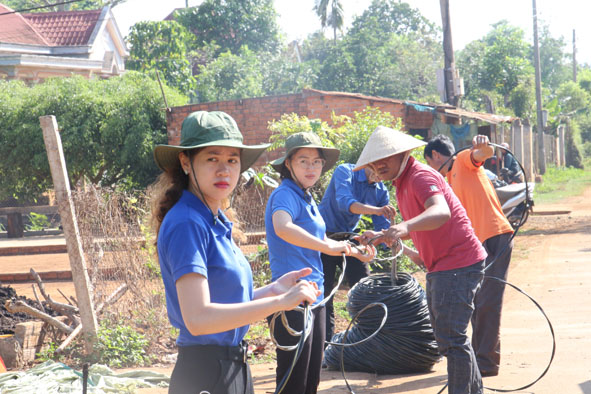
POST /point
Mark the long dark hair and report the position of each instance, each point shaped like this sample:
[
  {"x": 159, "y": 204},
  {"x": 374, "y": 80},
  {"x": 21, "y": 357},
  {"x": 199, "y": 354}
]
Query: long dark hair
[{"x": 167, "y": 191}]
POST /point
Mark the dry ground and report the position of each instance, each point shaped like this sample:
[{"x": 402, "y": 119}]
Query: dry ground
[{"x": 551, "y": 264}]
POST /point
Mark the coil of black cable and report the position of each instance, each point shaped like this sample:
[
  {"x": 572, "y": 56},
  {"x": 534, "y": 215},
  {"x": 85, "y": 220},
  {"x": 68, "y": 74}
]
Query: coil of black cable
[{"x": 404, "y": 345}]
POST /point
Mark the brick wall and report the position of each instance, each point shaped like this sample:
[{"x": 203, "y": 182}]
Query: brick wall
[{"x": 254, "y": 114}]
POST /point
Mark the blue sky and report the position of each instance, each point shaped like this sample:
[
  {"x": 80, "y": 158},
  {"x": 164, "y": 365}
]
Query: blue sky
[{"x": 471, "y": 19}]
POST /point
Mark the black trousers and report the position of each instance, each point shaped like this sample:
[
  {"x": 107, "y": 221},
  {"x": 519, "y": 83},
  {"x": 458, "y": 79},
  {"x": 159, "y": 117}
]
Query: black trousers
[
  {"x": 356, "y": 270},
  {"x": 202, "y": 369},
  {"x": 305, "y": 377},
  {"x": 488, "y": 304}
]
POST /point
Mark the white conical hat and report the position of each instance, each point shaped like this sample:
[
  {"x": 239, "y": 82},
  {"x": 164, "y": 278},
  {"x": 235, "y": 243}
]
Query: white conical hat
[{"x": 385, "y": 142}]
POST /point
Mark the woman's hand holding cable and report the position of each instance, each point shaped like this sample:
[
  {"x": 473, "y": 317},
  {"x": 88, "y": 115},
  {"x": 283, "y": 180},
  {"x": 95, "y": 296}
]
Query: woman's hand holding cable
[
  {"x": 336, "y": 248},
  {"x": 294, "y": 290},
  {"x": 364, "y": 253},
  {"x": 301, "y": 292}
]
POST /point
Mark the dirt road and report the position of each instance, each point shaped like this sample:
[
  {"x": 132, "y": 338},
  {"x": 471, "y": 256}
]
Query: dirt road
[{"x": 551, "y": 264}]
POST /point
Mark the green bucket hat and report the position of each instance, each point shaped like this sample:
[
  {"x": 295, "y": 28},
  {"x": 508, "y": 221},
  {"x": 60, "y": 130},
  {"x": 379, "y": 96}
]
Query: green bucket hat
[
  {"x": 201, "y": 129},
  {"x": 307, "y": 140}
]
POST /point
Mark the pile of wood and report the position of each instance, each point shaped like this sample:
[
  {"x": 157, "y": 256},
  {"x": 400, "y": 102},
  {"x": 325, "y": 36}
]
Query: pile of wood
[{"x": 70, "y": 323}]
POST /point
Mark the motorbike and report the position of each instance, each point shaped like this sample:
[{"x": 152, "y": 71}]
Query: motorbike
[{"x": 514, "y": 201}]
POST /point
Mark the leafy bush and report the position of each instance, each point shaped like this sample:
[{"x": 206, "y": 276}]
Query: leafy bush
[
  {"x": 108, "y": 129},
  {"x": 121, "y": 346},
  {"x": 38, "y": 222}
]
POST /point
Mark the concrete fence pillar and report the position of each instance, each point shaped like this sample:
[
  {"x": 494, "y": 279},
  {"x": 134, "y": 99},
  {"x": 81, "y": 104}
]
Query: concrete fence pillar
[
  {"x": 562, "y": 150},
  {"x": 517, "y": 139},
  {"x": 557, "y": 151},
  {"x": 549, "y": 148},
  {"x": 528, "y": 150}
]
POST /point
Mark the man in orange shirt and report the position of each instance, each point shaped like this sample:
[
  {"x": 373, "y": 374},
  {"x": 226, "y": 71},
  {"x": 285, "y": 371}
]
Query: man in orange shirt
[{"x": 469, "y": 182}]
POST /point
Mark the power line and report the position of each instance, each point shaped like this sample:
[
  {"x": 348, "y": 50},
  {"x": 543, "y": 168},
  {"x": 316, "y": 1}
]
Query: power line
[{"x": 40, "y": 7}]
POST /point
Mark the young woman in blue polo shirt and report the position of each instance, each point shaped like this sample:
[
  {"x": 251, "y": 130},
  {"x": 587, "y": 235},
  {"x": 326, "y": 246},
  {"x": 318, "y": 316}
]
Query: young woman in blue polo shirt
[
  {"x": 208, "y": 282},
  {"x": 296, "y": 235}
]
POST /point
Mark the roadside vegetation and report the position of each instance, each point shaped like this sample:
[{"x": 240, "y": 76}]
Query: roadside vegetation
[{"x": 561, "y": 183}]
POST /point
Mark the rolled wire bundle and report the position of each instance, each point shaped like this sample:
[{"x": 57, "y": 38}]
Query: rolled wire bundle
[{"x": 404, "y": 345}]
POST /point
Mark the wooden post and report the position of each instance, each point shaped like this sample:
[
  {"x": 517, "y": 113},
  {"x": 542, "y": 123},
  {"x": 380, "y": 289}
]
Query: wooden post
[{"x": 59, "y": 173}]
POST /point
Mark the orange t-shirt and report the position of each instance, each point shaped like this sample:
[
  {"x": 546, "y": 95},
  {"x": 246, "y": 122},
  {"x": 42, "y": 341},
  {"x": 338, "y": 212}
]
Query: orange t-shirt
[{"x": 476, "y": 193}]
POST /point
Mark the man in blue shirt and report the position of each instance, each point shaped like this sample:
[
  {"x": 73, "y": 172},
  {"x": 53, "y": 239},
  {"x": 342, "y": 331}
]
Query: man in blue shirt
[{"x": 348, "y": 196}]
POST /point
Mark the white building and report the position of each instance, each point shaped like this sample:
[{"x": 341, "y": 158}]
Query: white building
[{"x": 36, "y": 46}]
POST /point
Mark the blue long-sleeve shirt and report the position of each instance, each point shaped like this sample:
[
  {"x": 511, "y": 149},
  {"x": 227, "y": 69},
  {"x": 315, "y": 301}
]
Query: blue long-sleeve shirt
[{"x": 347, "y": 187}]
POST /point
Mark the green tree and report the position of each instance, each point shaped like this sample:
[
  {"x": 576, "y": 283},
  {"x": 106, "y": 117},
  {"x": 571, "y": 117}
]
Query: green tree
[
  {"x": 555, "y": 64},
  {"x": 232, "y": 24},
  {"x": 165, "y": 47},
  {"x": 499, "y": 62},
  {"x": 108, "y": 130},
  {"x": 374, "y": 63},
  {"x": 331, "y": 14},
  {"x": 48, "y": 5},
  {"x": 384, "y": 17},
  {"x": 248, "y": 74},
  {"x": 572, "y": 97}
]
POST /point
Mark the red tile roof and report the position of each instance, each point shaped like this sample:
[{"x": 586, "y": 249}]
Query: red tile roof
[
  {"x": 15, "y": 29},
  {"x": 65, "y": 28}
]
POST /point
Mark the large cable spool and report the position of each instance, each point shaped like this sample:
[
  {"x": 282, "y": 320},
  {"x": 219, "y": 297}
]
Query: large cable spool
[{"x": 405, "y": 344}]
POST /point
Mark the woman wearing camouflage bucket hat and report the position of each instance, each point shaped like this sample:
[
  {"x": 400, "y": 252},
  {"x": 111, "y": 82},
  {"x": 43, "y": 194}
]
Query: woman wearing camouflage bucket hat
[
  {"x": 296, "y": 235},
  {"x": 207, "y": 280}
]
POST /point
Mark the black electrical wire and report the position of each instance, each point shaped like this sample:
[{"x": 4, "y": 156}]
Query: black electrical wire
[
  {"x": 307, "y": 328},
  {"x": 40, "y": 7},
  {"x": 405, "y": 344}
]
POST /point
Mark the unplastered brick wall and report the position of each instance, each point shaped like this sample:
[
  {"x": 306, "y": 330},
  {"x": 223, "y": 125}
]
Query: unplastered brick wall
[{"x": 254, "y": 114}]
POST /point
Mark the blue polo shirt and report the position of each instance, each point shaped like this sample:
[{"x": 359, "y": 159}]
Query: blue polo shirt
[
  {"x": 188, "y": 242},
  {"x": 283, "y": 256},
  {"x": 347, "y": 187}
]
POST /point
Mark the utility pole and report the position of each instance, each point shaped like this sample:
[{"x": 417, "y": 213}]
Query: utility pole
[
  {"x": 574, "y": 57},
  {"x": 449, "y": 71},
  {"x": 540, "y": 123}
]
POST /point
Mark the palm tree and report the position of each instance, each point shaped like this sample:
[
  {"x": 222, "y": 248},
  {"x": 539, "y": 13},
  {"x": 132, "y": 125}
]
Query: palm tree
[{"x": 333, "y": 18}]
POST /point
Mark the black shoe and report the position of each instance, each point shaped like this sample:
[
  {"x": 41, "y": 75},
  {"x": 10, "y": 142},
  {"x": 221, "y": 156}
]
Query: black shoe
[{"x": 485, "y": 374}]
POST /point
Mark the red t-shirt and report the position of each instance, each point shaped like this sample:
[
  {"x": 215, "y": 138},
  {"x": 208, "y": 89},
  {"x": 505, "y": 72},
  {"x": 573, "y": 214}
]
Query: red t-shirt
[{"x": 454, "y": 244}]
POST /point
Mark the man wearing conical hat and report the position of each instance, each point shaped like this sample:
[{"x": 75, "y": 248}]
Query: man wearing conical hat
[{"x": 442, "y": 233}]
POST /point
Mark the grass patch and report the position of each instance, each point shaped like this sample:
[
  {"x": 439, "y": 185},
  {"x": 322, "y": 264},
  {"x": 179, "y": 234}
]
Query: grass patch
[
  {"x": 340, "y": 310},
  {"x": 561, "y": 183}
]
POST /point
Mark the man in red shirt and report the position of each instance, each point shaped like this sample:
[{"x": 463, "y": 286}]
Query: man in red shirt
[
  {"x": 442, "y": 233},
  {"x": 476, "y": 193}
]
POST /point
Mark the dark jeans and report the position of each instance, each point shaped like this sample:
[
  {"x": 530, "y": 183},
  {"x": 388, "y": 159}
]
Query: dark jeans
[
  {"x": 450, "y": 296},
  {"x": 211, "y": 369},
  {"x": 305, "y": 377},
  {"x": 486, "y": 320},
  {"x": 356, "y": 270}
]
